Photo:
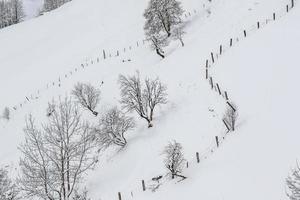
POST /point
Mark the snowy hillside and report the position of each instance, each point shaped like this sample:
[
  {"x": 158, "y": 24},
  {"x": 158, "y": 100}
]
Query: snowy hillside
[{"x": 43, "y": 58}]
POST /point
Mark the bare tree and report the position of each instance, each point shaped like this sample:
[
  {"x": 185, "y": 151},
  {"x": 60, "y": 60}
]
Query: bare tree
[
  {"x": 113, "y": 126},
  {"x": 56, "y": 156},
  {"x": 230, "y": 117},
  {"x": 142, "y": 98},
  {"x": 157, "y": 44},
  {"x": 162, "y": 15},
  {"x": 87, "y": 96},
  {"x": 6, "y": 113},
  {"x": 178, "y": 34},
  {"x": 8, "y": 189},
  {"x": 174, "y": 159},
  {"x": 293, "y": 184}
]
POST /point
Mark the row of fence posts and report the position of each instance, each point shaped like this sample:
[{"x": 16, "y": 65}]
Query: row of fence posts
[
  {"x": 105, "y": 55},
  {"x": 288, "y": 8},
  {"x": 217, "y": 88}
]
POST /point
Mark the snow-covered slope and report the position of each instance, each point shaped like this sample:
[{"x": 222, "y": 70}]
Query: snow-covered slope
[{"x": 252, "y": 163}]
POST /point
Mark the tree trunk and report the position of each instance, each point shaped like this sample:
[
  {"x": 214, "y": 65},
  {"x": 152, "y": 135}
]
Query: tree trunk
[
  {"x": 182, "y": 43},
  {"x": 159, "y": 53}
]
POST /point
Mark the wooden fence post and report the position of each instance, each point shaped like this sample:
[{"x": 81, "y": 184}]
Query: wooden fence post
[
  {"x": 233, "y": 108},
  {"x": 187, "y": 164},
  {"x": 119, "y": 195},
  {"x": 137, "y": 43},
  {"x": 118, "y": 53},
  {"x": 206, "y": 63},
  {"x": 293, "y": 3},
  {"x": 197, "y": 157},
  {"x": 211, "y": 83},
  {"x": 226, "y": 96},
  {"x": 258, "y": 25},
  {"x": 206, "y": 73},
  {"x": 218, "y": 87},
  {"x": 217, "y": 141},
  {"x": 212, "y": 57},
  {"x": 245, "y": 33},
  {"x": 104, "y": 55},
  {"x": 274, "y": 16},
  {"x": 231, "y": 42},
  {"x": 287, "y": 8},
  {"x": 228, "y": 129},
  {"x": 143, "y": 185},
  {"x": 221, "y": 49}
]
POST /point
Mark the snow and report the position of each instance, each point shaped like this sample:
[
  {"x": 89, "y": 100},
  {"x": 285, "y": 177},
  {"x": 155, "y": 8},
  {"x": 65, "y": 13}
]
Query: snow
[
  {"x": 259, "y": 72},
  {"x": 32, "y": 8}
]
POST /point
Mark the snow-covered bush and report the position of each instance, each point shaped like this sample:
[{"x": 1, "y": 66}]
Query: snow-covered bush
[
  {"x": 56, "y": 156},
  {"x": 293, "y": 184},
  {"x": 142, "y": 98},
  {"x": 112, "y": 129},
  {"x": 174, "y": 159},
  {"x": 87, "y": 96}
]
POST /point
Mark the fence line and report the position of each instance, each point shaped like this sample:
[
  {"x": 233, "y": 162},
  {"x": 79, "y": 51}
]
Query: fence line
[
  {"x": 105, "y": 54},
  {"x": 215, "y": 86}
]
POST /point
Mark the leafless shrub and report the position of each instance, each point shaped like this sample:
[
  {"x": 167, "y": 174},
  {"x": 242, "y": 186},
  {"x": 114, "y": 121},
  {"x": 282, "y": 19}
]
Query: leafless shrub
[
  {"x": 174, "y": 159},
  {"x": 113, "y": 126},
  {"x": 142, "y": 98},
  {"x": 230, "y": 117},
  {"x": 6, "y": 113},
  {"x": 56, "y": 156},
  {"x": 87, "y": 96},
  {"x": 178, "y": 34},
  {"x": 293, "y": 184}
]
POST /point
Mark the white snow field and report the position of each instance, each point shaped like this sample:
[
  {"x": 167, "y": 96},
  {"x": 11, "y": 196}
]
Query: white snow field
[{"x": 259, "y": 72}]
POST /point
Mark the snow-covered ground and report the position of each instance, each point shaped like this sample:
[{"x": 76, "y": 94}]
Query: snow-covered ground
[
  {"x": 32, "y": 8},
  {"x": 259, "y": 72}
]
